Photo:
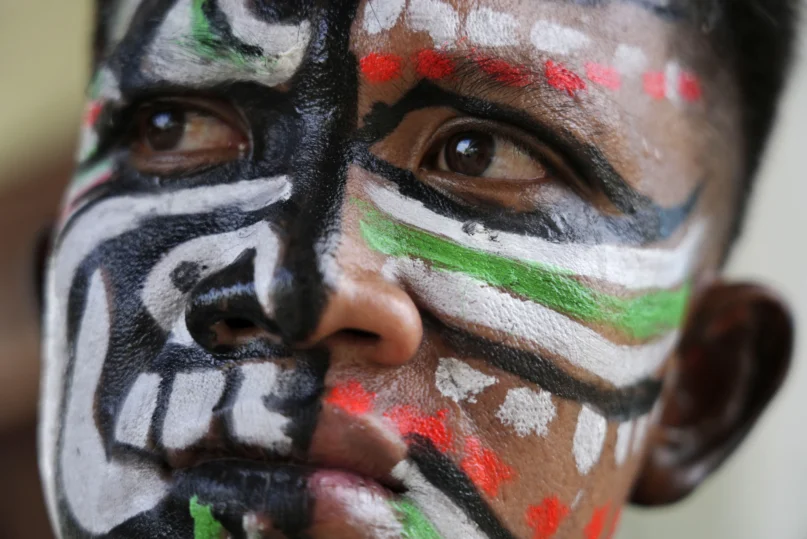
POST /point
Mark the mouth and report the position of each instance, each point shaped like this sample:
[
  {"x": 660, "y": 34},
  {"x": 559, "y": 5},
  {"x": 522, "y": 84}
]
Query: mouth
[{"x": 243, "y": 498}]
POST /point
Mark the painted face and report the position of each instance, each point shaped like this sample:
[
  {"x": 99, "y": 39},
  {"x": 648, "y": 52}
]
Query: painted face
[{"x": 400, "y": 268}]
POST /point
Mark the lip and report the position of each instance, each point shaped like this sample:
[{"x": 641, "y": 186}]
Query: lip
[
  {"x": 341, "y": 487},
  {"x": 268, "y": 499}
]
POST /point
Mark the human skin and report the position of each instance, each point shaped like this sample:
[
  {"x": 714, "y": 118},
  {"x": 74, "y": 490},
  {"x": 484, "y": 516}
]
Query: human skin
[{"x": 398, "y": 269}]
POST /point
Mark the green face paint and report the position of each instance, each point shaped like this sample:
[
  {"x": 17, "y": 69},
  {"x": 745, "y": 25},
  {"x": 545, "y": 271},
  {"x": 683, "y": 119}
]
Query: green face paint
[
  {"x": 642, "y": 317},
  {"x": 415, "y": 524},
  {"x": 205, "y": 525}
]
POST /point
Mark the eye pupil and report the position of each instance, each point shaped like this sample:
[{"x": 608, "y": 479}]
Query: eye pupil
[
  {"x": 164, "y": 129},
  {"x": 469, "y": 154}
]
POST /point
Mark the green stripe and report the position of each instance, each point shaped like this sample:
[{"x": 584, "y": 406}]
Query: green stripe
[
  {"x": 642, "y": 317},
  {"x": 207, "y": 44},
  {"x": 205, "y": 525},
  {"x": 415, "y": 524}
]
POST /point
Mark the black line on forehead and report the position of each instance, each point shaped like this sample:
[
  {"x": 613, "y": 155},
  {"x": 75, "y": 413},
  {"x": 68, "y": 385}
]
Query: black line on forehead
[
  {"x": 614, "y": 404},
  {"x": 444, "y": 474}
]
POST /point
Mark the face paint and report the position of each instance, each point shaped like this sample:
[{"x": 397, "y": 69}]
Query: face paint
[{"x": 190, "y": 389}]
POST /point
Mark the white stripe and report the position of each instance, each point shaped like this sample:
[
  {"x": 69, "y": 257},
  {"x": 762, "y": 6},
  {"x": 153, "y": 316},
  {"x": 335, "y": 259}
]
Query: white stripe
[
  {"x": 381, "y": 15},
  {"x": 133, "y": 423},
  {"x": 171, "y": 55},
  {"x": 623, "y": 433},
  {"x": 437, "y": 18},
  {"x": 211, "y": 253},
  {"x": 442, "y": 513},
  {"x": 99, "y": 493},
  {"x": 672, "y": 75},
  {"x": 633, "y": 268},
  {"x": 489, "y": 28},
  {"x": 458, "y": 381},
  {"x": 276, "y": 40},
  {"x": 190, "y": 407},
  {"x": 459, "y": 296},
  {"x": 252, "y": 422},
  {"x": 639, "y": 433},
  {"x": 589, "y": 437},
  {"x": 102, "y": 222},
  {"x": 528, "y": 411},
  {"x": 554, "y": 38}
]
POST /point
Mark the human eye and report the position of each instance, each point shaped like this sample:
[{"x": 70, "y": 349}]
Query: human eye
[
  {"x": 483, "y": 155},
  {"x": 172, "y": 137}
]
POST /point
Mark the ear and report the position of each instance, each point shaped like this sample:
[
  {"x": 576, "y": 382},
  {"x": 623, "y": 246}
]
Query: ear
[{"x": 732, "y": 359}]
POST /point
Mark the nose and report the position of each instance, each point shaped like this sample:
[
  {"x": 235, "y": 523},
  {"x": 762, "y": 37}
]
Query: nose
[{"x": 372, "y": 318}]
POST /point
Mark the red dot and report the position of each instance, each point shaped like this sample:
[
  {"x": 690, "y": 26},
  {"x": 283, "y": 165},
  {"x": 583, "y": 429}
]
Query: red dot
[
  {"x": 558, "y": 76},
  {"x": 655, "y": 84},
  {"x": 689, "y": 87},
  {"x": 381, "y": 67},
  {"x": 547, "y": 517},
  {"x": 503, "y": 72},
  {"x": 352, "y": 398},
  {"x": 432, "y": 64},
  {"x": 484, "y": 467},
  {"x": 411, "y": 421},
  {"x": 596, "y": 525},
  {"x": 92, "y": 112},
  {"x": 603, "y": 75}
]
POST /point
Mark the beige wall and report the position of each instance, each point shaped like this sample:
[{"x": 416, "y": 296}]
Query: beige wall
[{"x": 762, "y": 493}]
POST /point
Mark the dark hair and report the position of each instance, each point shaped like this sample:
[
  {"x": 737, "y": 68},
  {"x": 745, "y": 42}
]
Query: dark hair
[
  {"x": 761, "y": 35},
  {"x": 758, "y": 37}
]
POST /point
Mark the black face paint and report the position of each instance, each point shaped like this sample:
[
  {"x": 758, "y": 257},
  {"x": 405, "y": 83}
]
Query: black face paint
[
  {"x": 614, "y": 404},
  {"x": 643, "y": 221}
]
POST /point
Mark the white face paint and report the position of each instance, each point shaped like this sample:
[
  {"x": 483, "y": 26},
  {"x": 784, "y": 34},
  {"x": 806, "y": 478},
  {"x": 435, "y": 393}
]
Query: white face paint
[
  {"x": 527, "y": 411},
  {"x": 134, "y": 420},
  {"x": 589, "y": 438},
  {"x": 381, "y": 15},
  {"x": 459, "y": 382},
  {"x": 623, "y": 435},
  {"x": 553, "y": 38},
  {"x": 435, "y": 17},
  {"x": 489, "y": 28},
  {"x": 190, "y": 407},
  {"x": 252, "y": 422}
]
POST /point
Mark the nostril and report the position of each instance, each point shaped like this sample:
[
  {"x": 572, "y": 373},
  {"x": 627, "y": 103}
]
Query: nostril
[
  {"x": 239, "y": 323},
  {"x": 231, "y": 333}
]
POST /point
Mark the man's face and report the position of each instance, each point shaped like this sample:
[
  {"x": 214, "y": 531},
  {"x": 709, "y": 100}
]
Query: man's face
[{"x": 397, "y": 268}]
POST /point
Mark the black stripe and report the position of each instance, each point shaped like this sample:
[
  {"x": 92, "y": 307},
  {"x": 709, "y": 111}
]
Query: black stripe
[
  {"x": 220, "y": 27},
  {"x": 441, "y": 472},
  {"x": 615, "y": 404}
]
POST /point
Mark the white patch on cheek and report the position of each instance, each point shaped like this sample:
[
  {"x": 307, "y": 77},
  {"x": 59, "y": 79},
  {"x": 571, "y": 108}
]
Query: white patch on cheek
[
  {"x": 190, "y": 407},
  {"x": 554, "y": 38},
  {"x": 589, "y": 438},
  {"x": 437, "y": 18},
  {"x": 489, "y": 28},
  {"x": 458, "y": 381},
  {"x": 448, "y": 519},
  {"x": 100, "y": 493},
  {"x": 528, "y": 411},
  {"x": 672, "y": 75},
  {"x": 623, "y": 433},
  {"x": 380, "y": 15},
  {"x": 252, "y": 422},
  {"x": 629, "y": 60},
  {"x": 133, "y": 423}
]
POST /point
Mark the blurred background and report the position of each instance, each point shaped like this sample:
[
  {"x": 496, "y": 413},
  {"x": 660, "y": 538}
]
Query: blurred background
[{"x": 760, "y": 493}]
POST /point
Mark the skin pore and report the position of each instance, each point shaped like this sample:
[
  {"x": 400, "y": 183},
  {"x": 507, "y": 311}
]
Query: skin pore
[{"x": 396, "y": 269}]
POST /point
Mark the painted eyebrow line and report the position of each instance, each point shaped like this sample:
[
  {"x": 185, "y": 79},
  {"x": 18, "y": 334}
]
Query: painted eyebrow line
[{"x": 585, "y": 159}]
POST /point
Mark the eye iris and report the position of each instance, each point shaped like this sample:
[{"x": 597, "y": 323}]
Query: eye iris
[
  {"x": 165, "y": 129},
  {"x": 470, "y": 154}
]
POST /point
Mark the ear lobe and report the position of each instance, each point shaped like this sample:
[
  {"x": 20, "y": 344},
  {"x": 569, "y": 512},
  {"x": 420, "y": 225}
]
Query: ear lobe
[{"x": 731, "y": 361}]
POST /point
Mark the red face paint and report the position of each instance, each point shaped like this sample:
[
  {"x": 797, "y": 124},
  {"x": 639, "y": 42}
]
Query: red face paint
[
  {"x": 92, "y": 112},
  {"x": 484, "y": 467},
  {"x": 689, "y": 87},
  {"x": 655, "y": 84},
  {"x": 411, "y": 421},
  {"x": 603, "y": 75},
  {"x": 563, "y": 79},
  {"x": 379, "y": 68},
  {"x": 431, "y": 64},
  {"x": 596, "y": 525},
  {"x": 546, "y": 518},
  {"x": 503, "y": 72},
  {"x": 352, "y": 398}
]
